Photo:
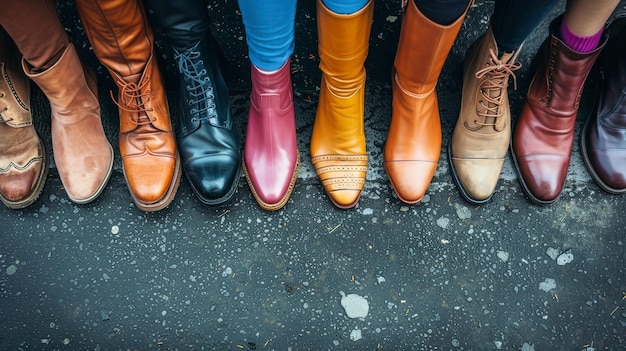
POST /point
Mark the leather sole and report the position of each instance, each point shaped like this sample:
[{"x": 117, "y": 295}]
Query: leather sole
[
  {"x": 41, "y": 180},
  {"x": 283, "y": 201},
  {"x": 460, "y": 185},
  {"x": 169, "y": 196}
]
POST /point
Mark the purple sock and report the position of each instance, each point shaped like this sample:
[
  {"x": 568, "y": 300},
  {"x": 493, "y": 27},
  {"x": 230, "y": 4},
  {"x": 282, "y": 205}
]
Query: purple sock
[{"x": 578, "y": 43}]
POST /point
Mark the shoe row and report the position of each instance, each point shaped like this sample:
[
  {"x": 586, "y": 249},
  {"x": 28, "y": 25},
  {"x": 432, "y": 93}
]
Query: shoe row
[{"x": 206, "y": 147}]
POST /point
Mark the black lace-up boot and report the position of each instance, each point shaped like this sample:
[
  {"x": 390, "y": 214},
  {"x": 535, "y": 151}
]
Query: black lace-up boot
[{"x": 207, "y": 138}]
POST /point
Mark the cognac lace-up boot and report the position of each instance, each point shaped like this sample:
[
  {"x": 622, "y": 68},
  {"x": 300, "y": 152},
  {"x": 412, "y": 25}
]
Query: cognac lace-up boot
[{"x": 123, "y": 42}]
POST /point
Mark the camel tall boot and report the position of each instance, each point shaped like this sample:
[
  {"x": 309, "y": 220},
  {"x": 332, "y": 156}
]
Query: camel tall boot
[
  {"x": 123, "y": 42},
  {"x": 23, "y": 158},
  {"x": 338, "y": 141},
  {"x": 483, "y": 130},
  {"x": 413, "y": 145},
  {"x": 82, "y": 153}
]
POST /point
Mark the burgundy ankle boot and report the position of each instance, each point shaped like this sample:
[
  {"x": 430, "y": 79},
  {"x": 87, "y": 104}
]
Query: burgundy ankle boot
[{"x": 271, "y": 157}]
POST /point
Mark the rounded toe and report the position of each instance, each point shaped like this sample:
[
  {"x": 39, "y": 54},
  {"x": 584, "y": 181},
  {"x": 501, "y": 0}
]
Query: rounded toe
[
  {"x": 213, "y": 178},
  {"x": 410, "y": 179}
]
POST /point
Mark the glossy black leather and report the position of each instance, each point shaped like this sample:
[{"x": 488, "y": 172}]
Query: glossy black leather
[
  {"x": 184, "y": 22},
  {"x": 208, "y": 140}
]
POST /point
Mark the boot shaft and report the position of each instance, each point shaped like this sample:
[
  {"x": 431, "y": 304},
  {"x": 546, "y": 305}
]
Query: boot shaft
[
  {"x": 558, "y": 83},
  {"x": 68, "y": 86},
  {"x": 119, "y": 33},
  {"x": 272, "y": 91},
  {"x": 422, "y": 49},
  {"x": 343, "y": 46}
]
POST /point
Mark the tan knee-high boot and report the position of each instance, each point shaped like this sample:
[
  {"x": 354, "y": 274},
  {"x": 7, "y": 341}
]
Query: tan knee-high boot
[
  {"x": 338, "y": 141},
  {"x": 413, "y": 145},
  {"x": 83, "y": 155},
  {"x": 122, "y": 40}
]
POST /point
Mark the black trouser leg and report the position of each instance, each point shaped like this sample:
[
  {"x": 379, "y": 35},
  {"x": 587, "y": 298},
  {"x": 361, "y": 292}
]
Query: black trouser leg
[
  {"x": 185, "y": 22},
  {"x": 513, "y": 20},
  {"x": 442, "y": 12}
]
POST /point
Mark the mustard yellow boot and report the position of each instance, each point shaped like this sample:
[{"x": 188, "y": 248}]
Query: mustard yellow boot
[{"x": 338, "y": 141}]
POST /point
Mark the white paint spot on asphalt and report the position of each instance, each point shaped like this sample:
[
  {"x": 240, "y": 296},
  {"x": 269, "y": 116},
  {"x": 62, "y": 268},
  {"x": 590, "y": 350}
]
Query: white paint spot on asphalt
[
  {"x": 115, "y": 230},
  {"x": 565, "y": 258},
  {"x": 552, "y": 253},
  {"x": 380, "y": 279},
  {"x": 355, "y": 306},
  {"x": 462, "y": 211},
  {"x": 503, "y": 255},
  {"x": 547, "y": 285},
  {"x": 368, "y": 211},
  {"x": 356, "y": 335},
  {"x": 391, "y": 19},
  {"x": 443, "y": 222},
  {"x": 528, "y": 347},
  {"x": 11, "y": 269}
]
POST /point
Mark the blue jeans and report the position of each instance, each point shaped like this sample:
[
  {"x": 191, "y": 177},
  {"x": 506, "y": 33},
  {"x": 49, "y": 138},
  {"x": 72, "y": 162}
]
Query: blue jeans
[{"x": 269, "y": 26}]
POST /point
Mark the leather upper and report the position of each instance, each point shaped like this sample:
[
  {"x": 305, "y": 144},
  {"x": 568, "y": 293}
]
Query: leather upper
[
  {"x": 604, "y": 139},
  {"x": 482, "y": 133},
  {"x": 338, "y": 151},
  {"x": 208, "y": 141},
  {"x": 544, "y": 132},
  {"x": 413, "y": 145},
  {"x": 271, "y": 152}
]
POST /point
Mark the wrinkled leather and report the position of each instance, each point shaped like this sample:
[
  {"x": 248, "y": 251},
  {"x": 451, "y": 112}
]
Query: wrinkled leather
[
  {"x": 338, "y": 151},
  {"x": 413, "y": 145},
  {"x": 184, "y": 22},
  {"x": 23, "y": 158},
  {"x": 82, "y": 153},
  {"x": 603, "y": 141},
  {"x": 482, "y": 133},
  {"x": 123, "y": 42},
  {"x": 544, "y": 132},
  {"x": 207, "y": 136},
  {"x": 271, "y": 157}
]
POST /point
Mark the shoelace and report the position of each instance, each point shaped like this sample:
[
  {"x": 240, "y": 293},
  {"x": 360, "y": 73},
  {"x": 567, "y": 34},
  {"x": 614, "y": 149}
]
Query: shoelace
[
  {"x": 497, "y": 74},
  {"x": 132, "y": 98},
  {"x": 191, "y": 67}
]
